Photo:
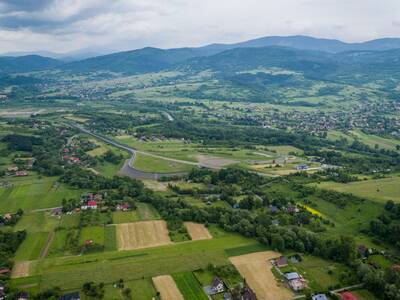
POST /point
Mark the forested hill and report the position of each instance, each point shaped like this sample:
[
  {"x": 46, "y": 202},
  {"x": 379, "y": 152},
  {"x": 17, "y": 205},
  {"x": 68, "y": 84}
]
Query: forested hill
[
  {"x": 28, "y": 63},
  {"x": 310, "y": 56}
]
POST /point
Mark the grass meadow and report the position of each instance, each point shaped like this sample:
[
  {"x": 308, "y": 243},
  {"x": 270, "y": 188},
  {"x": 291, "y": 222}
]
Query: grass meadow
[
  {"x": 70, "y": 272},
  {"x": 380, "y": 190},
  {"x": 34, "y": 192}
]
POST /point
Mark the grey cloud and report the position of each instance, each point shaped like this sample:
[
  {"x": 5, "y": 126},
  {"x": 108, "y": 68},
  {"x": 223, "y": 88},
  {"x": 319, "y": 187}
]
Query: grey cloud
[{"x": 68, "y": 25}]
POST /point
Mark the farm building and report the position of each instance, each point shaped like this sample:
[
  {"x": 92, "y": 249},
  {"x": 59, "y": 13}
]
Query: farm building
[
  {"x": 22, "y": 296},
  {"x": 248, "y": 294},
  {"x": 91, "y": 204},
  {"x": 217, "y": 285},
  {"x": 348, "y": 296},
  {"x": 296, "y": 282},
  {"x": 281, "y": 262},
  {"x": 21, "y": 173},
  {"x": 320, "y": 297},
  {"x": 301, "y": 167}
]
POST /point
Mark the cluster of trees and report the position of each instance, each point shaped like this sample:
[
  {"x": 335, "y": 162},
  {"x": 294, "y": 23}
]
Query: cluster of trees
[
  {"x": 387, "y": 226},
  {"x": 9, "y": 243},
  {"x": 111, "y": 157},
  {"x": 18, "y": 142},
  {"x": 385, "y": 284}
]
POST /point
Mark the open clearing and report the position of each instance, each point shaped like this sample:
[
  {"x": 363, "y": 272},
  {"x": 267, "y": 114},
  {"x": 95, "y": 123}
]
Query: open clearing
[
  {"x": 256, "y": 269},
  {"x": 142, "y": 235},
  {"x": 165, "y": 284},
  {"x": 377, "y": 190},
  {"x": 197, "y": 231},
  {"x": 215, "y": 162},
  {"x": 20, "y": 269}
]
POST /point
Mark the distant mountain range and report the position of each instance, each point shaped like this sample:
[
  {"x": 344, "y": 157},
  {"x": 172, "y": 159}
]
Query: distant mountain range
[
  {"x": 308, "y": 54},
  {"x": 310, "y": 43}
]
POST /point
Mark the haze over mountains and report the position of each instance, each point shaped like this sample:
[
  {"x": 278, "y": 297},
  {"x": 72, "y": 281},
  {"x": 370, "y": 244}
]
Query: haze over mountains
[{"x": 296, "y": 52}]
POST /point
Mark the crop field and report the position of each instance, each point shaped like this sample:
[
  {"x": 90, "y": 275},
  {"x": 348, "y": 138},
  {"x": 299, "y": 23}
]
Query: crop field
[
  {"x": 256, "y": 269},
  {"x": 32, "y": 192},
  {"x": 197, "y": 231},
  {"x": 189, "y": 286},
  {"x": 380, "y": 190},
  {"x": 167, "y": 288},
  {"x": 143, "y": 212},
  {"x": 21, "y": 269},
  {"x": 32, "y": 246},
  {"x": 142, "y": 235},
  {"x": 71, "y": 272}
]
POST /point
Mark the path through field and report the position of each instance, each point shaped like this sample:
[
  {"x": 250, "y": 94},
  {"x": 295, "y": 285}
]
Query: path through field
[
  {"x": 197, "y": 231},
  {"x": 256, "y": 269},
  {"x": 46, "y": 247},
  {"x": 142, "y": 235},
  {"x": 165, "y": 284}
]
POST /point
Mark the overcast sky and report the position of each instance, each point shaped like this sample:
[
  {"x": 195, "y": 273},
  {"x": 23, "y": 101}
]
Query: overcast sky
[{"x": 98, "y": 25}]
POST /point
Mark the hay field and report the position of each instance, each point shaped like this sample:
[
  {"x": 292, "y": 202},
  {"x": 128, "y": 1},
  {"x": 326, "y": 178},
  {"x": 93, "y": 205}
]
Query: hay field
[
  {"x": 142, "y": 235},
  {"x": 256, "y": 269},
  {"x": 165, "y": 284},
  {"x": 21, "y": 269},
  {"x": 197, "y": 231}
]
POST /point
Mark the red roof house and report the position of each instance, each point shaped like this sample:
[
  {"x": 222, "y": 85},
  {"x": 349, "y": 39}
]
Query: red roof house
[
  {"x": 348, "y": 296},
  {"x": 92, "y": 204}
]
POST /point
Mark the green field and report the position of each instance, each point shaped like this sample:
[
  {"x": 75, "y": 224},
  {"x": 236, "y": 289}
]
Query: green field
[
  {"x": 58, "y": 243},
  {"x": 350, "y": 219},
  {"x": 142, "y": 289},
  {"x": 364, "y": 295},
  {"x": 189, "y": 286},
  {"x": 120, "y": 217},
  {"x": 143, "y": 212},
  {"x": 153, "y": 164},
  {"x": 32, "y": 246},
  {"x": 70, "y": 272},
  {"x": 380, "y": 190},
  {"x": 320, "y": 274},
  {"x": 94, "y": 233},
  {"x": 368, "y": 139},
  {"x": 70, "y": 221},
  {"x": 36, "y": 222},
  {"x": 33, "y": 192},
  {"x": 110, "y": 239}
]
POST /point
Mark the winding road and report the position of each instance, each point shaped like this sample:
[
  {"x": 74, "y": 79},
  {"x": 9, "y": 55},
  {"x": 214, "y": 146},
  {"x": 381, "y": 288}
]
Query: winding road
[{"x": 128, "y": 169}]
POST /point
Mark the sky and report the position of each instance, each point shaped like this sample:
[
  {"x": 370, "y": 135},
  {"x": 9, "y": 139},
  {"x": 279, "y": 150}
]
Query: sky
[{"x": 111, "y": 25}]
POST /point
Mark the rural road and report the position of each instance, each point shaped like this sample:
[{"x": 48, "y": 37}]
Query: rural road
[
  {"x": 128, "y": 169},
  {"x": 132, "y": 172}
]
